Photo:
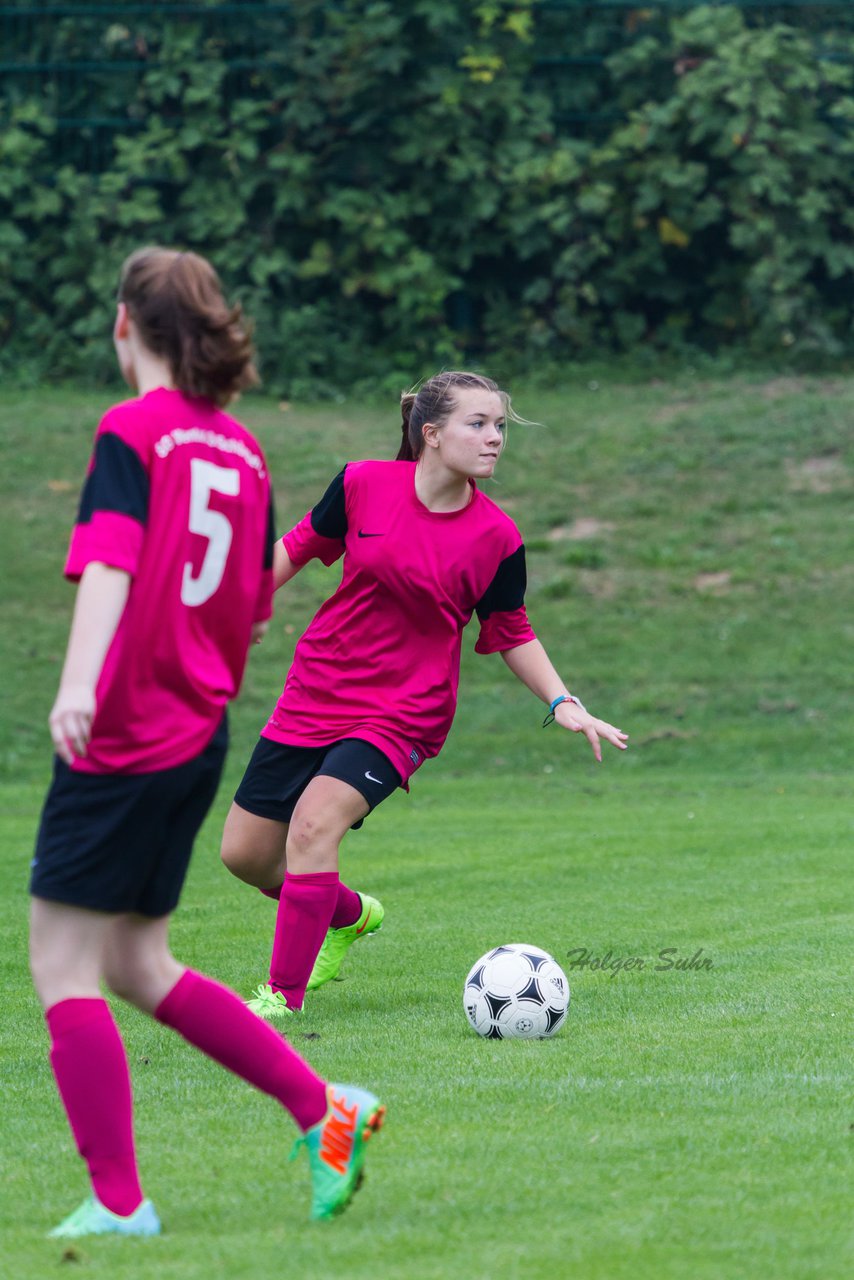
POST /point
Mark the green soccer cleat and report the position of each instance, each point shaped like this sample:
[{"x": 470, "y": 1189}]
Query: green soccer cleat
[
  {"x": 269, "y": 1004},
  {"x": 336, "y": 1147},
  {"x": 93, "y": 1219},
  {"x": 338, "y": 941}
]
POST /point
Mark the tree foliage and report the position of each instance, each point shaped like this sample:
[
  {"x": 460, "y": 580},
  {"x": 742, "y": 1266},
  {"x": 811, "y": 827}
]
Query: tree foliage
[
  {"x": 721, "y": 210},
  {"x": 389, "y": 188}
]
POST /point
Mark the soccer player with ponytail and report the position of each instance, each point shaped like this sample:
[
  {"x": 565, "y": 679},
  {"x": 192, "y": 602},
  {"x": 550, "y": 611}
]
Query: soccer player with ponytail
[
  {"x": 372, "y": 689},
  {"x": 173, "y": 553}
]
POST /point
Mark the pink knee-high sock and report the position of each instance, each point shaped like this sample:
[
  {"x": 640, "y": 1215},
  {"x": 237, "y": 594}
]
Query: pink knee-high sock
[
  {"x": 91, "y": 1069},
  {"x": 304, "y": 915},
  {"x": 348, "y": 908},
  {"x": 217, "y": 1021}
]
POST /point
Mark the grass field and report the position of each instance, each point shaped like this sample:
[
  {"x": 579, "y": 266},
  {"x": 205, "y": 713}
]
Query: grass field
[{"x": 691, "y": 564}]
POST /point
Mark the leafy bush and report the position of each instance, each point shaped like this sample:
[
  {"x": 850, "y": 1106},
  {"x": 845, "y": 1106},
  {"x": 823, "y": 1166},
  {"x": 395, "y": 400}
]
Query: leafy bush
[
  {"x": 367, "y": 178},
  {"x": 722, "y": 210},
  {"x": 389, "y": 188}
]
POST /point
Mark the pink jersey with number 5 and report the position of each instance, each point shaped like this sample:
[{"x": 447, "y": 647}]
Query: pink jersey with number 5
[{"x": 178, "y": 496}]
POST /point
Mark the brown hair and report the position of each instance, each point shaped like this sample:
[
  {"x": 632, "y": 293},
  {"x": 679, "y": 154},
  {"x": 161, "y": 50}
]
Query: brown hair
[
  {"x": 434, "y": 401},
  {"x": 176, "y": 302}
]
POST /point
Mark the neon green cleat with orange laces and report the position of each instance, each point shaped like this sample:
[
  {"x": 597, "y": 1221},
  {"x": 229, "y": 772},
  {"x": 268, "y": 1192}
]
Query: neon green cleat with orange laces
[
  {"x": 337, "y": 942},
  {"x": 336, "y": 1147}
]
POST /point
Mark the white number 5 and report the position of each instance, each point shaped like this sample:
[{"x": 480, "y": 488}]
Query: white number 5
[{"x": 207, "y": 478}]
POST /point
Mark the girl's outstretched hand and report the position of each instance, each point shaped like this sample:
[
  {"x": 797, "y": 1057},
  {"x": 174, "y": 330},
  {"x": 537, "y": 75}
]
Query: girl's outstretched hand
[{"x": 571, "y": 717}]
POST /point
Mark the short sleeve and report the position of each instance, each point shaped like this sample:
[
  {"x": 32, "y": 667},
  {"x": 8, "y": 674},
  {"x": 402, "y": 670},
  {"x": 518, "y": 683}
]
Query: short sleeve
[
  {"x": 321, "y": 532},
  {"x": 501, "y": 609},
  {"x": 113, "y": 512},
  {"x": 264, "y": 603}
]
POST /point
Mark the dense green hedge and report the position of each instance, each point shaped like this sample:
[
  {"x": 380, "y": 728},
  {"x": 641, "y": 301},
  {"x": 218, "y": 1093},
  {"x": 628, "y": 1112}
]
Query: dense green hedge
[{"x": 391, "y": 192}]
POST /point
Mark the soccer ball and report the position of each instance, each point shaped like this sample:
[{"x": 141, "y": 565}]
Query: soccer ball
[{"x": 516, "y": 992}]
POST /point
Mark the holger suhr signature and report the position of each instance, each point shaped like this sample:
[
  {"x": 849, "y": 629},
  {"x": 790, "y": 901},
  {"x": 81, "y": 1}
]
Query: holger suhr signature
[{"x": 668, "y": 960}]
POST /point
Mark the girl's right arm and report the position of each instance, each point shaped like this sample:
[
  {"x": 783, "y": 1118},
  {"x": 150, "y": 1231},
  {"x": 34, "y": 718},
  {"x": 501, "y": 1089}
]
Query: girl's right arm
[{"x": 98, "y": 608}]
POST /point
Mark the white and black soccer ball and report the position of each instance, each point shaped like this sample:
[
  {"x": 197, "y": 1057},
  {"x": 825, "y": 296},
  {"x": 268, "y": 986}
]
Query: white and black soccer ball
[{"x": 516, "y": 992}]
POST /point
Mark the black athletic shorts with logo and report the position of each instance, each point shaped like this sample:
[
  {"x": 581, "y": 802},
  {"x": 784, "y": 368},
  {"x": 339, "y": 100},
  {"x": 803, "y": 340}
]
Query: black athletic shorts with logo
[
  {"x": 278, "y": 774},
  {"x": 122, "y": 842}
]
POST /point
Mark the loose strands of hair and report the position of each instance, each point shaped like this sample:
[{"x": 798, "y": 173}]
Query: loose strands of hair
[
  {"x": 434, "y": 401},
  {"x": 176, "y": 301}
]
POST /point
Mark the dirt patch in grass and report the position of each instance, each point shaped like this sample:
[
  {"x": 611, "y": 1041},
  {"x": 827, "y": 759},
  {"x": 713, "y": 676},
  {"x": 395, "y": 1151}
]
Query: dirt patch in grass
[
  {"x": 823, "y": 474},
  {"x": 580, "y": 530},
  {"x": 713, "y": 583},
  {"x": 780, "y": 388},
  {"x": 602, "y": 586},
  {"x": 669, "y": 412}
]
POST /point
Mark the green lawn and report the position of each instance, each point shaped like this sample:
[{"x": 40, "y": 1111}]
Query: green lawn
[{"x": 690, "y": 562}]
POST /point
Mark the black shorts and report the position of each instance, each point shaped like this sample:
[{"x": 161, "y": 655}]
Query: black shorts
[
  {"x": 278, "y": 774},
  {"x": 122, "y": 842}
]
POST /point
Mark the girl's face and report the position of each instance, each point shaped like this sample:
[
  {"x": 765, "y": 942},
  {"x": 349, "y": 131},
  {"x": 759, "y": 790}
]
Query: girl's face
[{"x": 470, "y": 441}]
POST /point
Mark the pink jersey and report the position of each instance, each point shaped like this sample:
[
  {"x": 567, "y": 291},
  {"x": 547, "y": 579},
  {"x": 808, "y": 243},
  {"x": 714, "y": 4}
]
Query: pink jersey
[
  {"x": 178, "y": 496},
  {"x": 381, "y": 659}
]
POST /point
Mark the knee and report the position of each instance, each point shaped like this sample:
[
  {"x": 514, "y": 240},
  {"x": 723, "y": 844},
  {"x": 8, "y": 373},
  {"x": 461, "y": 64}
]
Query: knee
[
  {"x": 233, "y": 854},
  {"x": 125, "y": 976},
  {"x": 309, "y": 841},
  {"x": 244, "y": 861},
  {"x": 238, "y": 853},
  {"x": 50, "y": 972},
  {"x": 253, "y": 849},
  {"x": 61, "y": 971},
  {"x": 142, "y": 980}
]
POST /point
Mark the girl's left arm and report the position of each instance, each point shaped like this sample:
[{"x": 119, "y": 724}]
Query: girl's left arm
[{"x": 531, "y": 664}]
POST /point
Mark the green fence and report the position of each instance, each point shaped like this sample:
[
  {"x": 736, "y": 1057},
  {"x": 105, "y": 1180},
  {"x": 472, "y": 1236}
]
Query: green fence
[{"x": 84, "y": 61}]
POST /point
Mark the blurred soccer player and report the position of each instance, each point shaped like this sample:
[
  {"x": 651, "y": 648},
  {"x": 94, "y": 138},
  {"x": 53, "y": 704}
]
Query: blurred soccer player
[
  {"x": 173, "y": 552},
  {"x": 372, "y": 690}
]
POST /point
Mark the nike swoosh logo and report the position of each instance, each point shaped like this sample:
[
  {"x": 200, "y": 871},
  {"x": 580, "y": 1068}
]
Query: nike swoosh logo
[
  {"x": 362, "y": 534},
  {"x": 365, "y": 925},
  {"x": 371, "y": 778}
]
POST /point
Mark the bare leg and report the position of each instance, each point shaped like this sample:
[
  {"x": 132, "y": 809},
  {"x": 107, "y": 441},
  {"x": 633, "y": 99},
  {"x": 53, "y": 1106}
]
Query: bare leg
[
  {"x": 326, "y": 810},
  {"x": 138, "y": 965},
  {"x": 253, "y": 848},
  {"x": 67, "y": 947},
  {"x": 140, "y": 968}
]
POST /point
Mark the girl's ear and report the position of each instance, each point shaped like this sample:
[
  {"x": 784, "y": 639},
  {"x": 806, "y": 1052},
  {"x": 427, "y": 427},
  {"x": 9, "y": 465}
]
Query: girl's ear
[
  {"x": 121, "y": 326},
  {"x": 431, "y": 435}
]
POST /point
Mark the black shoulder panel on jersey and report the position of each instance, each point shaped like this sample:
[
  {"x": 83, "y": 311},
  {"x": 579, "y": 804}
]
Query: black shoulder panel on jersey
[
  {"x": 506, "y": 591},
  {"x": 271, "y": 533},
  {"x": 117, "y": 482},
  {"x": 329, "y": 517}
]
